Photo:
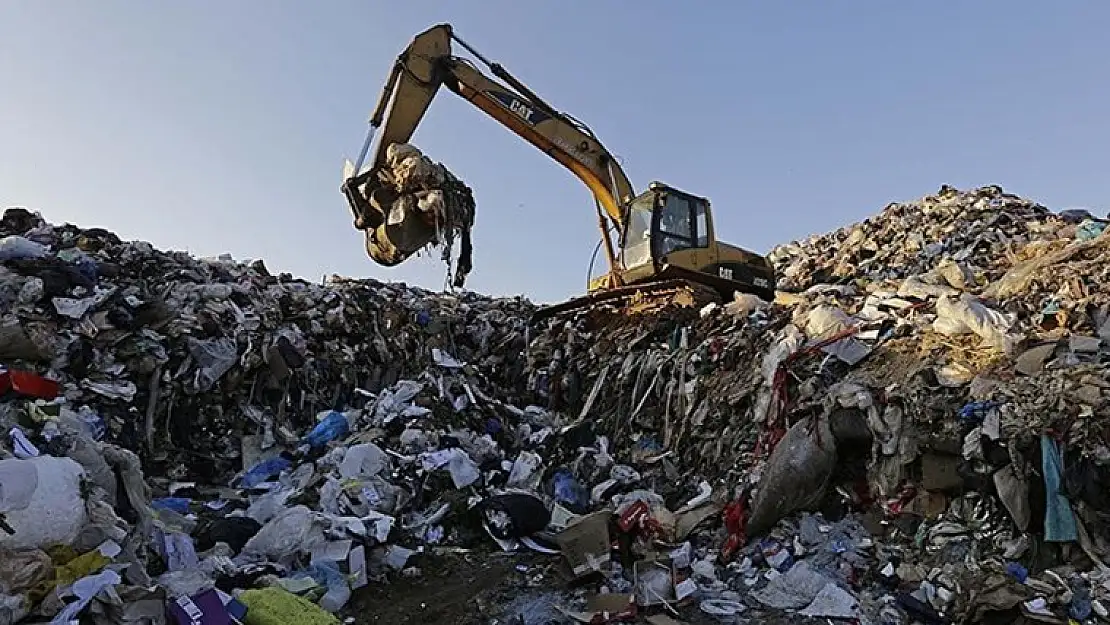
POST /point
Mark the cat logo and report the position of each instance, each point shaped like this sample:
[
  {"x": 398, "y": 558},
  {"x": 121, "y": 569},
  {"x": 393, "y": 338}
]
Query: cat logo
[{"x": 522, "y": 110}]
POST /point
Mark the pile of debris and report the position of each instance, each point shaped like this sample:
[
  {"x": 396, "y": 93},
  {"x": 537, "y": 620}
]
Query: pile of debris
[
  {"x": 913, "y": 432},
  {"x": 922, "y": 381},
  {"x": 122, "y": 360}
]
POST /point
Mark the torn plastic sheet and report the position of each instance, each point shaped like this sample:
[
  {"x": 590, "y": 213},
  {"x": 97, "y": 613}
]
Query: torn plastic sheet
[
  {"x": 833, "y": 602},
  {"x": 85, "y": 589},
  {"x": 849, "y": 350},
  {"x": 795, "y": 589},
  {"x": 214, "y": 357},
  {"x": 445, "y": 360},
  {"x": 113, "y": 390},
  {"x": 968, "y": 315},
  {"x": 464, "y": 471},
  {"x": 21, "y": 446},
  {"x": 73, "y": 308}
]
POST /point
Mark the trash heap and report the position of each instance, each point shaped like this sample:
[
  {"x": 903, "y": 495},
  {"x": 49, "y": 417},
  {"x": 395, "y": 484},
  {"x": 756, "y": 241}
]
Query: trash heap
[
  {"x": 914, "y": 432},
  {"x": 173, "y": 425},
  {"x": 928, "y": 393}
]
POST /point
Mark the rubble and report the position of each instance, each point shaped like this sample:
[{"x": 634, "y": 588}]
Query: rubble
[{"x": 912, "y": 432}]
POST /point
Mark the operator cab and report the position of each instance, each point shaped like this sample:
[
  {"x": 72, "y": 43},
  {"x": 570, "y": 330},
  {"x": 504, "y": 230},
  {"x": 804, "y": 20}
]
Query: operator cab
[
  {"x": 663, "y": 221},
  {"x": 669, "y": 234}
]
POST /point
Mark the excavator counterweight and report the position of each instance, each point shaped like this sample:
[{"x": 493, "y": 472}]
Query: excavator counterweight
[{"x": 664, "y": 236}]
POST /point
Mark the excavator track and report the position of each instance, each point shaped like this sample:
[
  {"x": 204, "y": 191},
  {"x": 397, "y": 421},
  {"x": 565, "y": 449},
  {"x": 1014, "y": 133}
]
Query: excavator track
[{"x": 635, "y": 299}]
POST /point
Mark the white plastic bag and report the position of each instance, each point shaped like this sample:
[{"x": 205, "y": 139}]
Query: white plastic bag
[
  {"x": 968, "y": 315},
  {"x": 55, "y": 511},
  {"x": 296, "y": 530},
  {"x": 464, "y": 471},
  {"x": 363, "y": 460}
]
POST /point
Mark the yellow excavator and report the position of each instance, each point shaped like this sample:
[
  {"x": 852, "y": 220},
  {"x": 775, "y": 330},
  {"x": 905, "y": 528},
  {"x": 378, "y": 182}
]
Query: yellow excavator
[{"x": 665, "y": 238}]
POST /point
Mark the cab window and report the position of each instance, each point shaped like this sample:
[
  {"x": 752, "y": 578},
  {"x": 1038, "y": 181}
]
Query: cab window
[
  {"x": 702, "y": 223},
  {"x": 676, "y": 225}
]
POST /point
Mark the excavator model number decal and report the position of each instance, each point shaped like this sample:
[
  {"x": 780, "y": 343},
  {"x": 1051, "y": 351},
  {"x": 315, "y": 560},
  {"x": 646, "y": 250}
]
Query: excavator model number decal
[
  {"x": 577, "y": 152},
  {"x": 725, "y": 272}
]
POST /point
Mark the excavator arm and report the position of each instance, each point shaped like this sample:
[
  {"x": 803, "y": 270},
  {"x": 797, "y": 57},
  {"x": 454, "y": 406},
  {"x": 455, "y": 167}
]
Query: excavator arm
[{"x": 428, "y": 64}]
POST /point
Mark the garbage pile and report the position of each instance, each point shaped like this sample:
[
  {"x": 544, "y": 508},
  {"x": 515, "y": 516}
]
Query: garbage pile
[
  {"x": 928, "y": 393},
  {"x": 914, "y": 432},
  {"x": 172, "y": 424}
]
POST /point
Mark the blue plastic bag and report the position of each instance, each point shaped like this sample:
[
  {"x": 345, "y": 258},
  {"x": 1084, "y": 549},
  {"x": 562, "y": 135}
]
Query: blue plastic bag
[
  {"x": 263, "y": 471},
  {"x": 179, "y": 505},
  {"x": 1059, "y": 519},
  {"x": 570, "y": 493},
  {"x": 332, "y": 427},
  {"x": 1017, "y": 571}
]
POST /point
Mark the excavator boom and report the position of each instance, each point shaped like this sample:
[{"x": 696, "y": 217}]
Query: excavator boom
[
  {"x": 428, "y": 64},
  {"x": 665, "y": 237}
]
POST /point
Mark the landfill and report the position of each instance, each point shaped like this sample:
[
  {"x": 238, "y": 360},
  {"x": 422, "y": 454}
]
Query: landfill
[{"x": 914, "y": 431}]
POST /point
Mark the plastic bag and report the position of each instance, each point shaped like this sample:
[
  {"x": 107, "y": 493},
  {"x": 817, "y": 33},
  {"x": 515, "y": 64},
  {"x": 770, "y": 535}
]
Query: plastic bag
[
  {"x": 296, "y": 530},
  {"x": 967, "y": 315},
  {"x": 514, "y": 515},
  {"x": 825, "y": 321},
  {"x": 234, "y": 531},
  {"x": 263, "y": 471},
  {"x": 797, "y": 474},
  {"x": 55, "y": 511},
  {"x": 328, "y": 575},
  {"x": 570, "y": 492},
  {"x": 269, "y": 505},
  {"x": 526, "y": 472},
  {"x": 363, "y": 460},
  {"x": 176, "y": 549},
  {"x": 214, "y": 358},
  {"x": 17, "y": 248},
  {"x": 333, "y": 426},
  {"x": 464, "y": 471},
  {"x": 794, "y": 589},
  {"x": 185, "y": 583}
]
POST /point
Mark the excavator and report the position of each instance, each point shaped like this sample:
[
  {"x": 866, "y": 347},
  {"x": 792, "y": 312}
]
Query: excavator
[{"x": 665, "y": 240}]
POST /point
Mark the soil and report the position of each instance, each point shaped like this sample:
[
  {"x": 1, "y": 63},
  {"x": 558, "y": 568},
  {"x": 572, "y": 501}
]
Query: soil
[
  {"x": 471, "y": 589},
  {"x": 492, "y": 588}
]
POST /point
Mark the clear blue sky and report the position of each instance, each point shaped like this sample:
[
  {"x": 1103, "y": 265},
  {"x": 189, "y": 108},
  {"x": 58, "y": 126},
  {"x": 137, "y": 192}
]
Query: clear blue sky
[{"x": 221, "y": 126}]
